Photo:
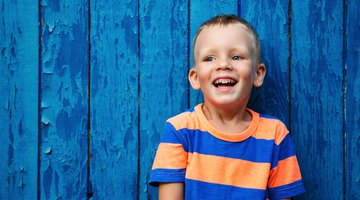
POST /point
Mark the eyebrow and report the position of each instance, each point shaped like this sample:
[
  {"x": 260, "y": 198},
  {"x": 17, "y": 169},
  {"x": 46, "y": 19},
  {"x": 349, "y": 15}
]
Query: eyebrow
[{"x": 242, "y": 49}]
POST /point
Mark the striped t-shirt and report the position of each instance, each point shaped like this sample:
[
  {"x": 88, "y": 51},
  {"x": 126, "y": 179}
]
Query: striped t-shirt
[{"x": 258, "y": 163}]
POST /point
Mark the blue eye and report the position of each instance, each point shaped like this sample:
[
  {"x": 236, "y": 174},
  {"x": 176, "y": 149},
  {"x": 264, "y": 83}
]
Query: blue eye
[
  {"x": 236, "y": 58},
  {"x": 209, "y": 59}
]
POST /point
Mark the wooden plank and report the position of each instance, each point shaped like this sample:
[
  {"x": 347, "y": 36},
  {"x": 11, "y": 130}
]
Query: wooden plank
[
  {"x": 353, "y": 101},
  {"x": 272, "y": 27},
  {"x": 163, "y": 77},
  {"x": 64, "y": 102},
  {"x": 200, "y": 11},
  {"x": 317, "y": 97},
  {"x": 114, "y": 99},
  {"x": 19, "y": 99}
]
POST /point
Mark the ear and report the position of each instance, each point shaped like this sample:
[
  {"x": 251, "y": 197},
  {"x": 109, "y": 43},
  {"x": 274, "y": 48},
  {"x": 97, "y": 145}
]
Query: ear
[
  {"x": 193, "y": 79},
  {"x": 259, "y": 75}
]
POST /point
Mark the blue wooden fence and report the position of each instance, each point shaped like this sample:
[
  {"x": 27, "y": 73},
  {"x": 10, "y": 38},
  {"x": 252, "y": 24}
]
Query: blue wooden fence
[{"x": 86, "y": 85}]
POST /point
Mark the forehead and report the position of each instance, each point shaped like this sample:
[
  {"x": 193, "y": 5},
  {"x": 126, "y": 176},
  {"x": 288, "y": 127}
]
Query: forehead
[{"x": 230, "y": 34}]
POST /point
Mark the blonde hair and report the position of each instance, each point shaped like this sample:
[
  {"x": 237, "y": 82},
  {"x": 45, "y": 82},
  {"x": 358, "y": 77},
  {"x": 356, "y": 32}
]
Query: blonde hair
[{"x": 224, "y": 20}]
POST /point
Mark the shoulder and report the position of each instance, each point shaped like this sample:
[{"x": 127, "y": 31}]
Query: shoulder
[
  {"x": 271, "y": 127},
  {"x": 271, "y": 121},
  {"x": 185, "y": 119}
]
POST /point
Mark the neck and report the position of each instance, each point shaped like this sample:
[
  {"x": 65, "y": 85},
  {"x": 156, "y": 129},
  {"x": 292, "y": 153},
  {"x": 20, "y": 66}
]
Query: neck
[{"x": 233, "y": 120}]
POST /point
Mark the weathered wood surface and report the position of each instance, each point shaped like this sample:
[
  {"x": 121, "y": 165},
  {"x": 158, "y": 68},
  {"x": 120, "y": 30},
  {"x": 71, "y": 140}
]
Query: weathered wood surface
[
  {"x": 163, "y": 76},
  {"x": 352, "y": 107},
  {"x": 64, "y": 100},
  {"x": 317, "y": 113},
  {"x": 82, "y": 110},
  {"x": 114, "y": 100},
  {"x": 272, "y": 25},
  {"x": 19, "y": 49}
]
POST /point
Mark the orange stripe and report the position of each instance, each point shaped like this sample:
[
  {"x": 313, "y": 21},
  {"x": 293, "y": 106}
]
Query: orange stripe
[
  {"x": 271, "y": 129},
  {"x": 190, "y": 121},
  {"x": 286, "y": 172},
  {"x": 170, "y": 156},
  {"x": 186, "y": 120},
  {"x": 228, "y": 171}
]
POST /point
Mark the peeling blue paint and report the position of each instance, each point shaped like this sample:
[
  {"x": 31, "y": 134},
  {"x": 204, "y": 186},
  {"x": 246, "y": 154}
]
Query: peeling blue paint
[
  {"x": 114, "y": 57},
  {"x": 138, "y": 77},
  {"x": 162, "y": 38},
  {"x": 11, "y": 154},
  {"x": 64, "y": 97},
  {"x": 20, "y": 130},
  {"x": 47, "y": 181},
  {"x": 47, "y": 150},
  {"x": 54, "y": 5},
  {"x": 316, "y": 99},
  {"x": 128, "y": 138},
  {"x": 45, "y": 121}
]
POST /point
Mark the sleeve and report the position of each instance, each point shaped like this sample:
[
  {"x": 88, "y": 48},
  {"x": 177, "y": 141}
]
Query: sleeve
[
  {"x": 171, "y": 158},
  {"x": 285, "y": 177}
]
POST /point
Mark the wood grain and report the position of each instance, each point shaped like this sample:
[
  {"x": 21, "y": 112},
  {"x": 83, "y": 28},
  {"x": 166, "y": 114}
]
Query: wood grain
[
  {"x": 19, "y": 58},
  {"x": 64, "y": 101},
  {"x": 272, "y": 26},
  {"x": 114, "y": 99},
  {"x": 352, "y": 108},
  {"x": 317, "y": 96},
  {"x": 84, "y": 97},
  {"x": 163, "y": 76}
]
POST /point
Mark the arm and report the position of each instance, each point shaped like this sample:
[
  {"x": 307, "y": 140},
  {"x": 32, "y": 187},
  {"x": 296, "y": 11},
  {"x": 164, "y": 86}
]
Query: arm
[{"x": 171, "y": 191}]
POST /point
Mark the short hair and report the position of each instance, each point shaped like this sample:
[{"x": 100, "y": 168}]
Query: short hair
[{"x": 224, "y": 20}]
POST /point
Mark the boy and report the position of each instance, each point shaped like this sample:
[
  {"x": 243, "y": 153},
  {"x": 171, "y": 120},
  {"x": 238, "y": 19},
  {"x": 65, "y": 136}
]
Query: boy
[{"x": 220, "y": 149}]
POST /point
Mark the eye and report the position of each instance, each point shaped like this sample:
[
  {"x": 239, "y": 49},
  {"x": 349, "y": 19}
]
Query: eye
[
  {"x": 209, "y": 59},
  {"x": 236, "y": 58}
]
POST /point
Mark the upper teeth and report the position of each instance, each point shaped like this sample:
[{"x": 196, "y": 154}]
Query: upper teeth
[{"x": 224, "y": 81}]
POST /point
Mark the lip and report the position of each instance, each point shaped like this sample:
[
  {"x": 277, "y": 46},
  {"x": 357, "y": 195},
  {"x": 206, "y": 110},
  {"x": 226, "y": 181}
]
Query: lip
[{"x": 225, "y": 89}]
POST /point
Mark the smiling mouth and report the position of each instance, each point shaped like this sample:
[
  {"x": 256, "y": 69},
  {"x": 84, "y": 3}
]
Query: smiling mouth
[{"x": 224, "y": 82}]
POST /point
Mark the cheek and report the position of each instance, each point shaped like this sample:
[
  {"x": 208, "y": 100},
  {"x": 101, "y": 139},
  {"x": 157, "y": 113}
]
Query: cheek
[
  {"x": 246, "y": 73},
  {"x": 203, "y": 74}
]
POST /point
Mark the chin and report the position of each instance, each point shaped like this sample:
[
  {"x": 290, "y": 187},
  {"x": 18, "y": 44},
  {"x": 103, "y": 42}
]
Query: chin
[
  {"x": 225, "y": 103},
  {"x": 228, "y": 102}
]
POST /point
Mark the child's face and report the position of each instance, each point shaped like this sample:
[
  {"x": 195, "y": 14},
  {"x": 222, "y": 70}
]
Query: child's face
[{"x": 225, "y": 65}]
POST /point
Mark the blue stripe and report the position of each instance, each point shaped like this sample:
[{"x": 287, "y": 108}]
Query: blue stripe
[
  {"x": 268, "y": 116},
  {"x": 286, "y": 191},
  {"x": 282, "y": 151},
  {"x": 191, "y": 110},
  {"x": 166, "y": 176},
  {"x": 171, "y": 135},
  {"x": 202, "y": 190},
  {"x": 252, "y": 149},
  {"x": 286, "y": 148}
]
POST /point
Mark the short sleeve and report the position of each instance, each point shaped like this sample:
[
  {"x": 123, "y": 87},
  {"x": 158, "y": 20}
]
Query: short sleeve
[
  {"x": 171, "y": 158},
  {"x": 285, "y": 177}
]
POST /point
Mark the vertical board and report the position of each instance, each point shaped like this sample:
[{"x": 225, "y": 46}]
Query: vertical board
[
  {"x": 64, "y": 102},
  {"x": 317, "y": 98},
  {"x": 163, "y": 77},
  {"x": 140, "y": 55},
  {"x": 352, "y": 120},
  {"x": 200, "y": 11},
  {"x": 272, "y": 27},
  {"x": 114, "y": 99},
  {"x": 19, "y": 61}
]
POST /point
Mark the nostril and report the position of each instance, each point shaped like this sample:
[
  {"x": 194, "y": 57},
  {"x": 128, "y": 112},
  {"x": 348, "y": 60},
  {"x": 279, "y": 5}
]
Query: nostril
[{"x": 224, "y": 64}]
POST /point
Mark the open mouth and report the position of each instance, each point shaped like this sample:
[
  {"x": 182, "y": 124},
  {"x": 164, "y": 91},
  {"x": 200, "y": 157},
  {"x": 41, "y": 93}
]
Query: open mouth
[{"x": 224, "y": 83}]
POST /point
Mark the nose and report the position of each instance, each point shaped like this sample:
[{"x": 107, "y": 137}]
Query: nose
[{"x": 224, "y": 64}]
